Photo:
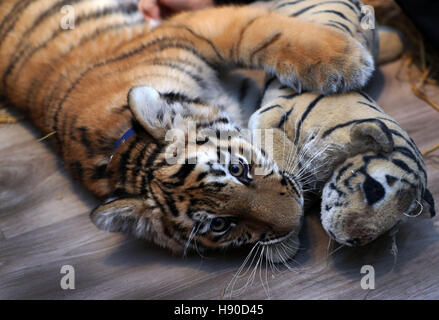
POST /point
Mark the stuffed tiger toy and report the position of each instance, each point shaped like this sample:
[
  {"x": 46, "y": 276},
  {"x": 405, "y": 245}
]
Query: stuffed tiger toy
[
  {"x": 367, "y": 169},
  {"x": 110, "y": 88}
]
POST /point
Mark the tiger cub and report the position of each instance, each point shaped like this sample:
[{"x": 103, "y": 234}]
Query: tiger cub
[
  {"x": 369, "y": 172},
  {"x": 111, "y": 89}
]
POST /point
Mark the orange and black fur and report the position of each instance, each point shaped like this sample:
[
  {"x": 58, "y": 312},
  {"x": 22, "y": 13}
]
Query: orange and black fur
[{"x": 111, "y": 73}]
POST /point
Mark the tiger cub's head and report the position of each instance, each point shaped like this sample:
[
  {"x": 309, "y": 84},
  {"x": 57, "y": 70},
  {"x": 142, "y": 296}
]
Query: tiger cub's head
[{"x": 191, "y": 180}]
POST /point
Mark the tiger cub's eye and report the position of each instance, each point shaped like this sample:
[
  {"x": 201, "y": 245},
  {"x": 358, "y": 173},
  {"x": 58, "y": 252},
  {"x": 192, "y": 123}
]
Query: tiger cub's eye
[
  {"x": 236, "y": 169},
  {"x": 219, "y": 224}
]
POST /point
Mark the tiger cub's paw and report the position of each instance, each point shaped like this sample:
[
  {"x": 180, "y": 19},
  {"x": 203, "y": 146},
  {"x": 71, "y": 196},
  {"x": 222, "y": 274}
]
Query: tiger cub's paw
[{"x": 326, "y": 61}]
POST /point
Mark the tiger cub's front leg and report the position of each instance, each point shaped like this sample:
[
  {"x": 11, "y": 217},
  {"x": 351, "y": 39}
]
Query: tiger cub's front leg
[{"x": 304, "y": 55}]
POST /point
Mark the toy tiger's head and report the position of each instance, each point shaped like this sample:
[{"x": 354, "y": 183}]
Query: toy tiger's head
[
  {"x": 371, "y": 193},
  {"x": 219, "y": 192},
  {"x": 369, "y": 171}
]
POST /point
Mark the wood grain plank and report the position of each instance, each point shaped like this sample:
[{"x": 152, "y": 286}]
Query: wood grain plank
[{"x": 34, "y": 186}]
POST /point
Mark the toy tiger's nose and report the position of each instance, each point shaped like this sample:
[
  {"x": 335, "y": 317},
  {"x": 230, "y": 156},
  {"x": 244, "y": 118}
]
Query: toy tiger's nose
[
  {"x": 352, "y": 229},
  {"x": 352, "y": 242}
]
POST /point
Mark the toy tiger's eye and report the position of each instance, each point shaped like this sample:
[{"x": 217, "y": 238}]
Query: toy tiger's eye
[{"x": 219, "y": 224}]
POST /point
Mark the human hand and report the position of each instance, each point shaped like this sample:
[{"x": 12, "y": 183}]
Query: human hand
[{"x": 161, "y": 9}]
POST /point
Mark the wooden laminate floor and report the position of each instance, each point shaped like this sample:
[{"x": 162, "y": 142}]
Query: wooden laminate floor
[{"x": 44, "y": 225}]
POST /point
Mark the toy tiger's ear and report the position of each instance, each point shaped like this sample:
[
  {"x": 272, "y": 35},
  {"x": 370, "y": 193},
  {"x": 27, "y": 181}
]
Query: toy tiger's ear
[
  {"x": 127, "y": 215},
  {"x": 151, "y": 110},
  {"x": 428, "y": 203},
  {"x": 372, "y": 134}
]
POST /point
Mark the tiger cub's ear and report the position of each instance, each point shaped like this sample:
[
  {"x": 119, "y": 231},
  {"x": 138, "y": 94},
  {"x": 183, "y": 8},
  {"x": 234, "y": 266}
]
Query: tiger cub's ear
[
  {"x": 372, "y": 136},
  {"x": 153, "y": 113},
  {"x": 127, "y": 215}
]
